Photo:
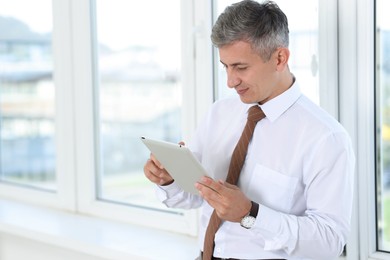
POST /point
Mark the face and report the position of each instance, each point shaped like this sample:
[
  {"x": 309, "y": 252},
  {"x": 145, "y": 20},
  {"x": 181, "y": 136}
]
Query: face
[{"x": 255, "y": 80}]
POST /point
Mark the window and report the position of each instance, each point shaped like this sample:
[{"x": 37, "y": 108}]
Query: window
[
  {"x": 119, "y": 72},
  {"x": 139, "y": 93},
  {"x": 27, "y": 95},
  {"x": 383, "y": 124},
  {"x": 115, "y": 80}
]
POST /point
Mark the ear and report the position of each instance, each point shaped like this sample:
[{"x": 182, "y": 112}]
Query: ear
[{"x": 282, "y": 56}]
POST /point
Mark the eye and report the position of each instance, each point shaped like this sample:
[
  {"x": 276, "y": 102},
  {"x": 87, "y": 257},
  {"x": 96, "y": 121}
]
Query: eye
[{"x": 242, "y": 67}]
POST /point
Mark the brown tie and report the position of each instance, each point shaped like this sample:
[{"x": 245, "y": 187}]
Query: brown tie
[{"x": 255, "y": 114}]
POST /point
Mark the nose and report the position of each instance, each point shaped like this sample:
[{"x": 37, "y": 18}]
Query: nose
[{"x": 232, "y": 79}]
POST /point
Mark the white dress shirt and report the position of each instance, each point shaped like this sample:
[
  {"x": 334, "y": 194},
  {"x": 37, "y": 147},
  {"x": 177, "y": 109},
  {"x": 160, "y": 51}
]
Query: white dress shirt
[{"x": 299, "y": 168}]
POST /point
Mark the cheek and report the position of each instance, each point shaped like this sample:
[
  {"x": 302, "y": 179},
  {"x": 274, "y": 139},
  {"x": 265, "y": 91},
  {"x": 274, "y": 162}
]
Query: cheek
[
  {"x": 257, "y": 82},
  {"x": 261, "y": 88}
]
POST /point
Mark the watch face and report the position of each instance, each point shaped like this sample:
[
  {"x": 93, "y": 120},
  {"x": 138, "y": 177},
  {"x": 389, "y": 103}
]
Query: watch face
[{"x": 247, "y": 221}]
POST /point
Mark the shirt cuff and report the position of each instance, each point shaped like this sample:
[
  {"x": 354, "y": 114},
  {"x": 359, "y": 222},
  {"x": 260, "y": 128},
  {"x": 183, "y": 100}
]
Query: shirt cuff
[
  {"x": 278, "y": 230},
  {"x": 168, "y": 191}
]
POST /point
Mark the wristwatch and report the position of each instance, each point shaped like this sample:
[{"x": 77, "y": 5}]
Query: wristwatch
[{"x": 249, "y": 220}]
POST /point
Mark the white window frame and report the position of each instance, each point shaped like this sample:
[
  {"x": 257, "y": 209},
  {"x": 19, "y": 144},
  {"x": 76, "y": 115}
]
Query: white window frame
[
  {"x": 357, "y": 113},
  {"x": 75, "y": 120},
  {"x": 328, "y": 56},
  {"x": 196, "y": 43},
  {"x": 64, "y": 196},
  {"x": 84, "y": 84},
  {"x": 348, "y": 104}
]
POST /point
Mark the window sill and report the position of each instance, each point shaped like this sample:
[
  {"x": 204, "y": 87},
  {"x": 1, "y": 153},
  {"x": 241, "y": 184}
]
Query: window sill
[{"x": 93, "y": 236}]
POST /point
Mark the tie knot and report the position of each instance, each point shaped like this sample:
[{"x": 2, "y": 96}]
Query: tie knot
[{"x": 255, "y": 114}]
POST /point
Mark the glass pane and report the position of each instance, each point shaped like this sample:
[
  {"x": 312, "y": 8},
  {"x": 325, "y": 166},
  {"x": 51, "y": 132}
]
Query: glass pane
[
  {"x": 139, "y": 92},
  {"x": 383, "y": 123},
  {"x": 303, "y": 46},
  {"x": 27, "y": 149}
]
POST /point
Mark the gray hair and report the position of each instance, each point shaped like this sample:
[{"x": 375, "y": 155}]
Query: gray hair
[{"x": 263, "y": 25}]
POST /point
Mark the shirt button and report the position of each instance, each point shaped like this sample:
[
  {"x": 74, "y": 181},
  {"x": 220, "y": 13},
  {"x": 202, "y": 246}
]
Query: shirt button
[{"x": 218, "y": 249}]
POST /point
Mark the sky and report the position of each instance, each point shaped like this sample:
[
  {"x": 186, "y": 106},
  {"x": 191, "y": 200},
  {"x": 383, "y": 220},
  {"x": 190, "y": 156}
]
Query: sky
[
  {"x": 120, "y": 23},
  {"x": 118, "y": 18},
  {"x": 123, "y": 22},
  {"x": 36, "y": 13}
]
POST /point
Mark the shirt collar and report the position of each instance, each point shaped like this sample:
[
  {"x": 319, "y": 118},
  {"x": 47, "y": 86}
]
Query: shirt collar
[{"x": 278, "y": 105}]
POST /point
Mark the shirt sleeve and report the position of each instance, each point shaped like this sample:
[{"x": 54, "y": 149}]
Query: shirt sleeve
[
  {"x": 321, "y": 232},
  {"x": 173, "y": 196}
]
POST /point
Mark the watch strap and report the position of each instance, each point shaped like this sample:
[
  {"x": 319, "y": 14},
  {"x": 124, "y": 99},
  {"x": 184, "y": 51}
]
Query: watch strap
[{"x": 254, "y": 209}]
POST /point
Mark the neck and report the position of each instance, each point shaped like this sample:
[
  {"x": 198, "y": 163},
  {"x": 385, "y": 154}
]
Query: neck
[{"x": 287, "y": 80}]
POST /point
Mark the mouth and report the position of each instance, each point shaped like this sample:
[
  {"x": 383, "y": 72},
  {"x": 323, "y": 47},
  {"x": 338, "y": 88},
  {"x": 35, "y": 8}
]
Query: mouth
[{"x": 241, "y": 91}]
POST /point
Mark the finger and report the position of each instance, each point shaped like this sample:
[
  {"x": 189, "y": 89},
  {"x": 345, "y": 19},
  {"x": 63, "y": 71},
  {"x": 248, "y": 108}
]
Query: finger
[
  {"x": 203, "y": 188},
  {"x": 151, "y": 177},
  {"x": 165, "y": 177},
  {"x": 151, "y": 171},
  {"x": 182, "y": 143},
  {"x": 156, "y": 162},
  {"x": 209, "y": 194},
  {"x": 160, "y": 177},
  {"x": 228, "y": 185},
  {"x": 156, "y": 174},
  {"x": 150, "y": 167},
  {"x": 216, "y": 186}
]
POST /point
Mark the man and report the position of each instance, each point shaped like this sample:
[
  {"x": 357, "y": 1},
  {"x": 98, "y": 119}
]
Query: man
[{"x": 296, "y": 184}]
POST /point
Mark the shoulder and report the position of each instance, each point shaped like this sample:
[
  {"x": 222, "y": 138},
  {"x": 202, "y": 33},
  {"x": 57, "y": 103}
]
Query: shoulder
[
  {"x": 321, "y": 132},
  {"x": 312, "y": 115}
]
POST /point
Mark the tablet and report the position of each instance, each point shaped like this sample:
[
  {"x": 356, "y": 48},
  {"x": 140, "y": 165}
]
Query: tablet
[{"x": 179, "y": 161}]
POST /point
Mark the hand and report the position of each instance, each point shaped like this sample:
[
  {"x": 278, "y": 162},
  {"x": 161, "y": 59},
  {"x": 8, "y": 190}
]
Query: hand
[
  {"x": 229, "y": 202},
  {"x": 156, "y": 173}
]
